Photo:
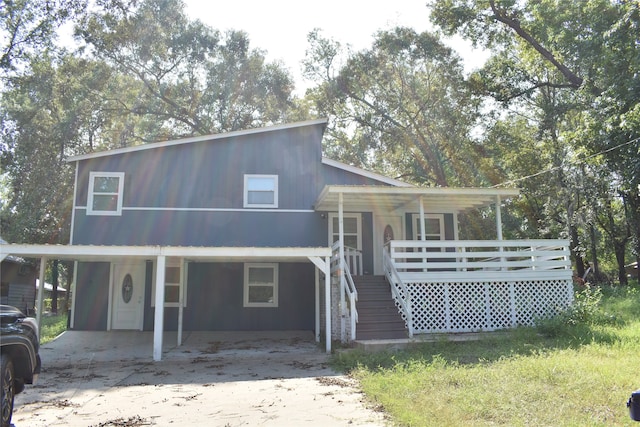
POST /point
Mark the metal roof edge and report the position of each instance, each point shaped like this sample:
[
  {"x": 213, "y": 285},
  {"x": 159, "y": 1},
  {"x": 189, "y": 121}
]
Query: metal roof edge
[
  {"x": 506, "y": 192},
  {"x": 193, "y": 139},
  {"x": 368, "y": 174}
]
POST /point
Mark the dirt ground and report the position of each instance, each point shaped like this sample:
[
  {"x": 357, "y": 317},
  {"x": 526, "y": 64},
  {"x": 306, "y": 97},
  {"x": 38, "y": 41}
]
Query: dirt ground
[{"x": 214, "y": 379}]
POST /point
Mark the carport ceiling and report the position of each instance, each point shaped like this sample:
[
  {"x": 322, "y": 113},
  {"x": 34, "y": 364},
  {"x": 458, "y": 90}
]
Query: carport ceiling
[{"x": 376, "y": 198}]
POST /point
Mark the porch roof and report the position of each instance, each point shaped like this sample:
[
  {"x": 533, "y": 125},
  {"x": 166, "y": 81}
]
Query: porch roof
[
  {"x": 107, "y": 253},
  {"x": 363, "y": 198}
]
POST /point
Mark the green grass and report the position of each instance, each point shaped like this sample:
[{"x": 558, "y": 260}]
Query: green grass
[
  {"x": 578, "y": 374},
  {"x": 52, "y": 326}
]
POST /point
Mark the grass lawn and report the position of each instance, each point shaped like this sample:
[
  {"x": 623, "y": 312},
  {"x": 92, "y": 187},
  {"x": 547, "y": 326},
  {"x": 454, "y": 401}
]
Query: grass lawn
[
  {"x": 52, "y": 326},
  {"x": 577, "y": 371}
]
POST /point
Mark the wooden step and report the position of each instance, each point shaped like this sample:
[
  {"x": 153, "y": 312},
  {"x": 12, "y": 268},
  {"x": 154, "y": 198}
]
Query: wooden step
[{"x": 378, "y": 316}]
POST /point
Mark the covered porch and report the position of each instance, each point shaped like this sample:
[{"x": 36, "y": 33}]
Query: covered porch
[
  {"x": 452, "y": 285},
  {"x": 161, "y": 255}
]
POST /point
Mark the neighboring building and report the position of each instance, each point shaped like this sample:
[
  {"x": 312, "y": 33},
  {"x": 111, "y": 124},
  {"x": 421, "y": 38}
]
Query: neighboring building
[
  {"x": 242, "y": 229},
  {"x": 632, "y": 270},
  {"x": 17, "y": 283}
]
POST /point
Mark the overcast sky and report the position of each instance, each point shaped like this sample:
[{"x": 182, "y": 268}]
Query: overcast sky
[{"x": 281, "y": 26}]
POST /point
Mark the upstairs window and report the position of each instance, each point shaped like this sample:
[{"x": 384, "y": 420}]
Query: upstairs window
[
  {"x": 105, "y": 193},
  {"x": 261, "y": 191}
]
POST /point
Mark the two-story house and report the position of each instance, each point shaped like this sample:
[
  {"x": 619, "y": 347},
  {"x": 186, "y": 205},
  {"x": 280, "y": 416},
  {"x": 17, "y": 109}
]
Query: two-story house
[{"x": 256, "y": 230}]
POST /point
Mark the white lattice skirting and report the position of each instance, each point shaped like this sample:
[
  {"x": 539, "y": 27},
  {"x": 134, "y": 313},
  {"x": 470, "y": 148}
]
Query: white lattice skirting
[{"x": 485, "y": 306}]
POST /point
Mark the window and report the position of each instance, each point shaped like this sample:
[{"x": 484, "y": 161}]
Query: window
[
  {"x": 261, "y": 285},
  {"x": 105, "y": 193},
  {"x": 173, "y": 279},
  {"x": 261, "y": 191},
  {"x": 352, "y": 227},
  {"x": 433, "y": 227}
]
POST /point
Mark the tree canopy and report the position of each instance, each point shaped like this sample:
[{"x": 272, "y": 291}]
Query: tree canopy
[{"x": 555, "y": 110}]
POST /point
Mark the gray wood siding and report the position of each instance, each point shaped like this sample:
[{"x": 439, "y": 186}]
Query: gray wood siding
[
  {"x": 92, "y": 296},
  {"x": 210, "y": 174},
  {"x": 215, "y": 300},
  {"x": 260, "y": 229},
  {"x": 335, "y": 176}
]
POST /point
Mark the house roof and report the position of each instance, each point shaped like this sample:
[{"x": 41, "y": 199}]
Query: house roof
[
  {"x": 49, "y": 286},
  {"x": 11, "y": 258},
  {"x": 365, "y": 173},
  {"x": 196, "y": 139},
  {"x": 357, "y": 198}
]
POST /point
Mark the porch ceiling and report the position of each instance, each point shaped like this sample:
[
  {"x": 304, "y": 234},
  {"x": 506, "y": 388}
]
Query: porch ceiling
[{"x": 373, "y": 198}]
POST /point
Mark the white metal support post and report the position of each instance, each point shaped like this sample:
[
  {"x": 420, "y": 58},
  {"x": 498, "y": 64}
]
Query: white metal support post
[
  {"x": 317, "y": 307},
  {"x": 183, "y": 278},
  {"x": 158, "y": 324},
  {"x": 327, "y": 302},
  {"x": 43, "y": 267},
  {"x": 499, "y": 217},
  {"x": 343, "y": 329},
  {"x": 423, "y": 231},
  {"x": 325, "y": 268}
]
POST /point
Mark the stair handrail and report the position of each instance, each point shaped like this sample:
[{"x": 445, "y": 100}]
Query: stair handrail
[
  {"x": 398, "y": 288},
  {"x": 346, "y": 283}
]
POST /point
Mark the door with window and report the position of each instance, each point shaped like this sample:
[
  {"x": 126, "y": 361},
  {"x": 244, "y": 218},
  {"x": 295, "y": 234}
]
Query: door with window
[
  {"x": 128, "y": 296},
  {"x": 387, "y": 227},
  {"x": 352, "y": 229}
]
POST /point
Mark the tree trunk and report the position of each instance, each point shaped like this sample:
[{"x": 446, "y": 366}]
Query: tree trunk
[
  {"x": 594, "y": 251},
  {"x": 577, "y": 255},
  {"x": 619, "y": 248},
  {"x": 54, "y": 282}
]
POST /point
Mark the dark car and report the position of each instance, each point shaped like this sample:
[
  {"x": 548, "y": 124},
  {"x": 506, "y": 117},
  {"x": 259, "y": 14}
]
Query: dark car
[{"x": 20, "y": 359}]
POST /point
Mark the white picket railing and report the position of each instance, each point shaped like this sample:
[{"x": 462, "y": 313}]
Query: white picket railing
[{"x": 465, "y": 286}]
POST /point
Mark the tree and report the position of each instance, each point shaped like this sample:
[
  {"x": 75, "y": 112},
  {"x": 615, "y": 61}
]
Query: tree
[
  {"x": 190, "y": 79},
  {"x": 28, "y": 26},
  {"x": 587, "y": 54},
  {"x": 402, "y": 106}
]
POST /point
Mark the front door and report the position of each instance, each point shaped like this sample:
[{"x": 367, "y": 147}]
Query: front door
[
  {"x": 128, "y": 296},
  {"x": 387, "y": 227}
]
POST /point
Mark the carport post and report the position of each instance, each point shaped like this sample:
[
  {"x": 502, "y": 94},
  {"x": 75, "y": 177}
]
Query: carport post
[
  {"x": 327, "y": 302},
  {"x": 317, "y": 299},
  {"x": 43, "y": 267},
  {"x": 158, "y": 324}
]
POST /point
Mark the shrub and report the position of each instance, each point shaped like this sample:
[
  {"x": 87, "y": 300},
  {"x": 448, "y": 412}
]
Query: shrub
[{"x": 585, "y": 311}]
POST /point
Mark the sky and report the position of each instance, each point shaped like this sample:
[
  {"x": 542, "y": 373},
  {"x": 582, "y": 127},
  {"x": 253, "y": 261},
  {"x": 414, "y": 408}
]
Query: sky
[{"x": 280, "y": 27}]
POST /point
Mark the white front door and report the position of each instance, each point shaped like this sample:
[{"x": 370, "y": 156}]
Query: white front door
[
  {"x": 386, "y": 227},
  {"x": 128, "y": 296}
]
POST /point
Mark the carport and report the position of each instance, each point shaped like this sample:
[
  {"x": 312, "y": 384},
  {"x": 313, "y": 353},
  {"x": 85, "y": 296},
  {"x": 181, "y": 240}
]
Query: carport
[{"x": 319, "y": 256}]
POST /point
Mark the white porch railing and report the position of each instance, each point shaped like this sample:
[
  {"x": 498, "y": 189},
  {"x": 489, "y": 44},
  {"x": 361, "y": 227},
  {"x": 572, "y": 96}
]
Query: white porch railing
[
  {"x": 465, "y": 286},
  {"x": 398, "y": 290},
  {"x": 342, "y": 270}
]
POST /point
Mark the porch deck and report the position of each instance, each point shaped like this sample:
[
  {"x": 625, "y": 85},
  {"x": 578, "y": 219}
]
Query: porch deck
[{"x": 474, "y": 286}]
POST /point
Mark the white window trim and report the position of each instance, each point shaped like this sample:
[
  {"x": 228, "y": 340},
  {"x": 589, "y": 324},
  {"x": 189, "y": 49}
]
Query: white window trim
[
  {"x": 246, "y": 302},
  {"x": 246, "y": 203},
  {"x": 120, "y": 193},
  {"x": 358, "y": 218},
  {"x": 417, "y": 234},
  {"x": 182, "y": 285}
]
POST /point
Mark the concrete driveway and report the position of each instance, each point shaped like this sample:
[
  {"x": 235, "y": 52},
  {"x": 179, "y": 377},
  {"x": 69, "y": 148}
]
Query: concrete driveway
[{"x": 213, "y": 379}]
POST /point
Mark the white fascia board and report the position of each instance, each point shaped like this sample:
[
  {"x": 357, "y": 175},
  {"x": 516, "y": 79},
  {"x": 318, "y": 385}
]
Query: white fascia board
[
  {"x": 212, "y": 137},
  {"x": 79, "y": 252},
  {"x": 365, "y": 173}
]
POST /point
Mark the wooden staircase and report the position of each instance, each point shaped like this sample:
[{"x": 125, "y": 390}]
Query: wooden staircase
[{"x": 378, "y": 316}]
